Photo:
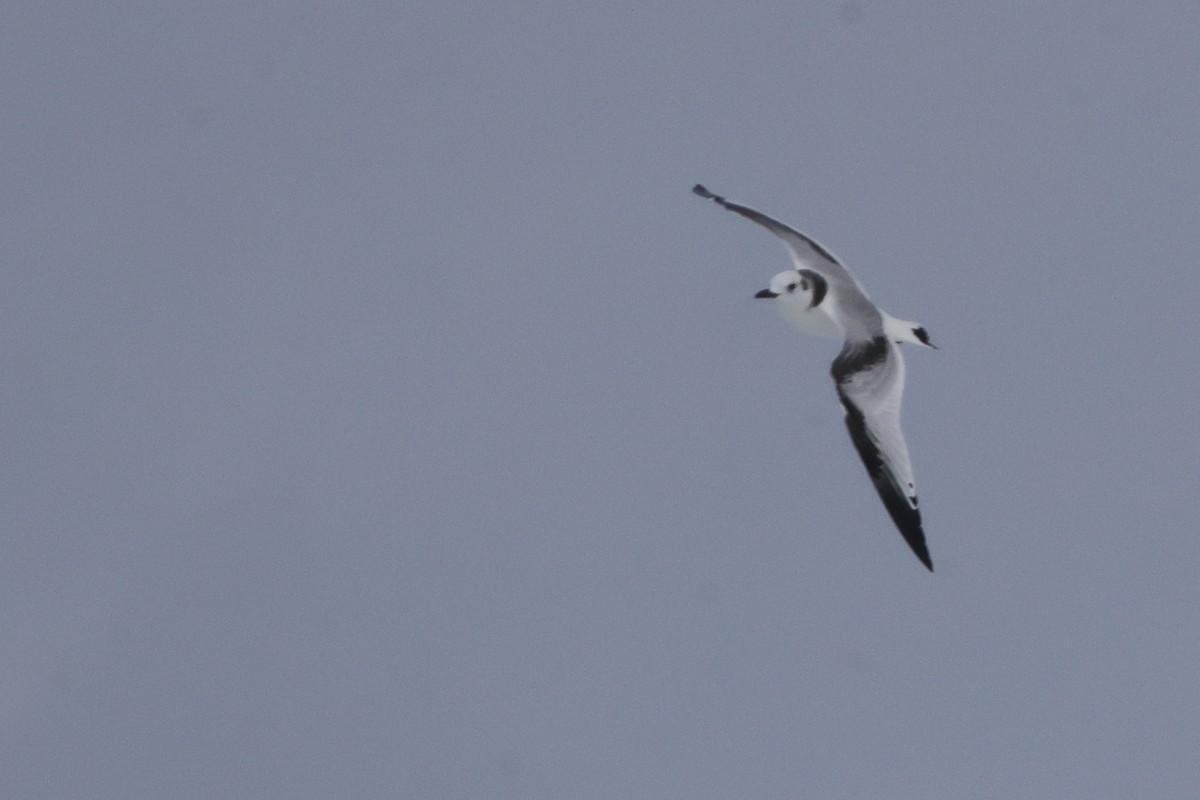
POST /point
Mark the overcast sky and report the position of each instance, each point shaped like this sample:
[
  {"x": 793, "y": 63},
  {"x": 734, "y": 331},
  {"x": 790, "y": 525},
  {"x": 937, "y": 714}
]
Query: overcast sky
[{"x": 384, "y": 417}]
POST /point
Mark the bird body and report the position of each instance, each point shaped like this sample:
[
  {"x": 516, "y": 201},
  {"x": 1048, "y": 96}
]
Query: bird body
[{"x": 822, "y": 298}]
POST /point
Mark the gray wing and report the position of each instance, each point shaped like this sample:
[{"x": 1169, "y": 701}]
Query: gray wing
[
  {"x": 806, "y": 254},
  {"x": 870, "y": 383}
]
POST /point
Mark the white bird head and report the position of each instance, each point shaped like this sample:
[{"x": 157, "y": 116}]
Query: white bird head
[
  {"x": 799, "y": 286},
  {"x": 800, "y": 297}
]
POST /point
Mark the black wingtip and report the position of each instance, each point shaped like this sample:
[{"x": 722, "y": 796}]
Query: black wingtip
[
  {"x": 926, "y": 560},
  {"x": 700, "y": 190},
  {"x": 913, "y": 536}
]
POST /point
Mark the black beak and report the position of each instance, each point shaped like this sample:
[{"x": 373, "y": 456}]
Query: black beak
[{"x": 766, "y": 294}]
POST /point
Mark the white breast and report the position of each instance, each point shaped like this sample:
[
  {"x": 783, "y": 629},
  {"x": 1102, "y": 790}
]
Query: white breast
[{"x": 813, "y": 321}]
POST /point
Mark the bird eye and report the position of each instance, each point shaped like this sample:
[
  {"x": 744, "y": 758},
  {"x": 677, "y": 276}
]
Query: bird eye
[{"x": 791, "y": 287}]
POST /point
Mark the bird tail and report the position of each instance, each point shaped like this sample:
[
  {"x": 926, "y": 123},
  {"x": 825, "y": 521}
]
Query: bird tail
[{"x": 901, "y": 330}]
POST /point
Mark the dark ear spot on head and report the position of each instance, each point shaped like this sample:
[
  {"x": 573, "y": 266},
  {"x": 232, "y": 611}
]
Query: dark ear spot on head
[{"x": 819, "y": 286}]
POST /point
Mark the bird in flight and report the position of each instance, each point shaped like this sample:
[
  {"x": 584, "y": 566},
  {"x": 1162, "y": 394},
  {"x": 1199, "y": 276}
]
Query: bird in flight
[{"x": 821, "y": 297}]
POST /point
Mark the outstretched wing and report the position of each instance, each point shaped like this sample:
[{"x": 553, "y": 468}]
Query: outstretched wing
[
  {"x": 870, "y": 382},
  {"x": 806, "y": 254}
]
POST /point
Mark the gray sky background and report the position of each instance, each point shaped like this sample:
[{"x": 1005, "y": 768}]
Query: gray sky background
[{"x": 383, "y": 417}]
